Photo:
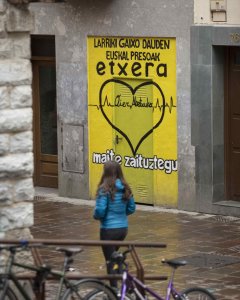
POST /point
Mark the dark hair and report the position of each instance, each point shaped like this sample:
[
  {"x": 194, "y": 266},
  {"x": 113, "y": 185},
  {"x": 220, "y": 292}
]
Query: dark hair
[{"x": 112, "y": 171}]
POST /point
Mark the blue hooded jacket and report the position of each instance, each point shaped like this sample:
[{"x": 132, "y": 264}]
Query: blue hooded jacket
[{"x": 113, "y": 213}]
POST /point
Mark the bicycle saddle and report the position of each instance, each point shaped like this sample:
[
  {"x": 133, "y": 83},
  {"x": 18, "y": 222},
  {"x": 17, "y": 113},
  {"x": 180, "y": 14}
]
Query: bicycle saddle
[
  {"x": 174, "y": 263},
  {"x": 69, "y": 251}
]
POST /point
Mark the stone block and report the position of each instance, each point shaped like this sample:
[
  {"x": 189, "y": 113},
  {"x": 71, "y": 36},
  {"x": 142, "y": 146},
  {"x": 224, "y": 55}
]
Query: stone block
[
  {"x": 15, "y": 120},
  {"x": 20, "y": 45},
  {"x": 3, "y": 6},
  {"x": 4, "y": 97},
  {"x": 21, "y": 142},
  {"x": 18, "y": 215},
  {"x": 5, "y": 48},
  {"x": 3, "y": 32},
  {"x": 14, "y": 45},
  {"x": 18, "y": 2},
  {"x": 4, "y": 144},
  {"x": 24, "y": 190},
  {"x": 19, "y": 20},
  {"x": 15, "y": 72},
  {"x": 5, "y": 193},
  {"x": 21, "y": 96},
  {"x": 16, "y": 166},
  {"x": 48, "y": 1}
]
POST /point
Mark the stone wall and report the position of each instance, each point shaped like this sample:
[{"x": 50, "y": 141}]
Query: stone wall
[{"x": 16, "y": 157}]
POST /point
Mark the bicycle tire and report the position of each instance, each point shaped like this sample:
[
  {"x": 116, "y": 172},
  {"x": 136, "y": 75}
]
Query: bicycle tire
[
  {"x": 90, "y": 289},
  {"x": 196, "y": 293},
  {"x": 92, "y": 296},
  {"x": 9, "y": 295}
]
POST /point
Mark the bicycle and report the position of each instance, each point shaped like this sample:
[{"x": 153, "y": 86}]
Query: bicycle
[
  {"x": 133, "y": 288},
  {"x": 66, "y": 289}
]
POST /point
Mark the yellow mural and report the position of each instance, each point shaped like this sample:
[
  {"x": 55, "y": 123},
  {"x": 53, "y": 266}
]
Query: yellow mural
[{"x": 132, "y": 114}]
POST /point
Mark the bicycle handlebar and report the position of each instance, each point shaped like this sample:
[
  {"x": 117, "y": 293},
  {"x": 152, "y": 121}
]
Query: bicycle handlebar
[{"x": 120, "y": 257}]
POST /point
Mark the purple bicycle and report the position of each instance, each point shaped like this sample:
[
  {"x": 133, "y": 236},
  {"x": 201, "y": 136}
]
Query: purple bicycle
[{"x": 132, "y": 287}]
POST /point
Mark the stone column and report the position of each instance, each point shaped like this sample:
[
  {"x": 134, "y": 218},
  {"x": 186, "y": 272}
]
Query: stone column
[{"x": 16, "y": 141}]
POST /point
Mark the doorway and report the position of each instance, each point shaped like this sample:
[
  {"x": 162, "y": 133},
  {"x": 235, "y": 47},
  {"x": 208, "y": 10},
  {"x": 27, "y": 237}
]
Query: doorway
[
  {"x": 44, "y": 111},
  {"x": 132, "y": 122},
  {"x": 232, "y": 124}
]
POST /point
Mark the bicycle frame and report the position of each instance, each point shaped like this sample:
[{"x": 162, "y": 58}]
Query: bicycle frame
[
  {"x": 63, "y": 281},
  {"x": 136, "y": 284},
  {"x": 14, "y": 279},
  {"x": 10, "y": 276}
]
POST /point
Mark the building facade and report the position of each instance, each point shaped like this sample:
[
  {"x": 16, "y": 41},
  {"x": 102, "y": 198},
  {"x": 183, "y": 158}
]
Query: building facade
[
  {"x": 145, "y": 84},
  {"x": 135, "y": 58},
  {"x": 153, "y": 85},
  {"x": 215, "y": 95}
]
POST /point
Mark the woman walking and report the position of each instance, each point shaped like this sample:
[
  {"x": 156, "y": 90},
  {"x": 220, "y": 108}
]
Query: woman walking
[{"x": 114, "y": 202}]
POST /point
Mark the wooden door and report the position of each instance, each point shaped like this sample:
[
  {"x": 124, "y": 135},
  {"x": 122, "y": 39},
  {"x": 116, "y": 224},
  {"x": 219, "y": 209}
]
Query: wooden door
[
  {"x": 45, "y": 123},
  {"x": 232, "y": 124}
]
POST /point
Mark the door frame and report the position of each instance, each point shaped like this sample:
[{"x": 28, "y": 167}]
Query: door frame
[
  {"x": 38, "y": 179},
  {"x": 227, "y": 126}
]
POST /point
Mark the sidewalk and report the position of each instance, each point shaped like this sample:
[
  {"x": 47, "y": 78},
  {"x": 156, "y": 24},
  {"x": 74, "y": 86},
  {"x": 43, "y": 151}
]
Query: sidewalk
[{"x": 211, "y": 244}]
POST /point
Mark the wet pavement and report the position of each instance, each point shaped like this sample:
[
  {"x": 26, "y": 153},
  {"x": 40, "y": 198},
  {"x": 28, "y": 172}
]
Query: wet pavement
[{"x": 211, "y": 244}]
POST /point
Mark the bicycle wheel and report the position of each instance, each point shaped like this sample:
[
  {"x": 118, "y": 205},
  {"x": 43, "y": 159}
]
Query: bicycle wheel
[
  {"x": 9, "y": 294},
  {"x": 196, "y": 293},
  {"x": 97, "y": 295},
  {"x": 87, "y": 289}
]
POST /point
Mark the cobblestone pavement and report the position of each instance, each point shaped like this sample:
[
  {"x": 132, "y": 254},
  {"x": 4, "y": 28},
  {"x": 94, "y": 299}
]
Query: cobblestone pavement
[{"x": 210, "y": 243}]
